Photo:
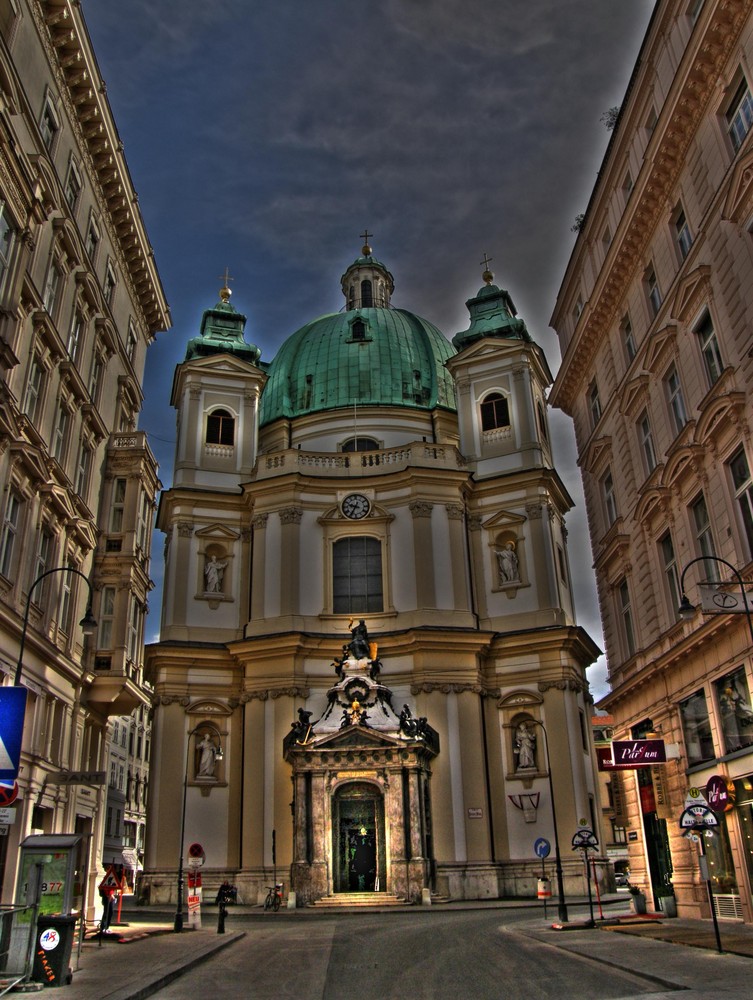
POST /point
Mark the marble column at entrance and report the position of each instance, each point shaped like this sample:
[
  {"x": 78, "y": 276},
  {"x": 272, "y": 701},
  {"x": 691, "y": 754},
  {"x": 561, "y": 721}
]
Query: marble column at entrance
[
  {"x": 417, "y": 864},
  {"x": 321, "y": 827}
]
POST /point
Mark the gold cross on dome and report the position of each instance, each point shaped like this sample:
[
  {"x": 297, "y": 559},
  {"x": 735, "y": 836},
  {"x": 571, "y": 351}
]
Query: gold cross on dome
[
  {"x": 486, "y": 262},
  {"x": 225, "y": 292}
]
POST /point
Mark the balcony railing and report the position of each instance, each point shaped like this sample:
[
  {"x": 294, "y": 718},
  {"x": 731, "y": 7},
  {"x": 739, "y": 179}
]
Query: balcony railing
[{"x": 361, "y": 463}]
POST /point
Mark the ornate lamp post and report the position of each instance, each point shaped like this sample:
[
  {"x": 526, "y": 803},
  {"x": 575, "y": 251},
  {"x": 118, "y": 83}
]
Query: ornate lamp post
[
  {"x": 218, "y": 755},
  {"x": 87, "y": 623}
]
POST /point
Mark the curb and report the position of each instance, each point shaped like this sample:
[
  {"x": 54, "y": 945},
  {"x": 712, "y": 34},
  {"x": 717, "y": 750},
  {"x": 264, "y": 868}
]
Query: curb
[{"x": 175, "y": 970}]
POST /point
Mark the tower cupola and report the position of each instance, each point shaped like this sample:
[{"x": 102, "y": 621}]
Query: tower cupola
[{"x": 367, "y": 283}]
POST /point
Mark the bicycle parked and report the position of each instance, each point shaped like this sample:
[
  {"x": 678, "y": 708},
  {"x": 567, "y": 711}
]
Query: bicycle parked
[{"x": 274, "y": 897}]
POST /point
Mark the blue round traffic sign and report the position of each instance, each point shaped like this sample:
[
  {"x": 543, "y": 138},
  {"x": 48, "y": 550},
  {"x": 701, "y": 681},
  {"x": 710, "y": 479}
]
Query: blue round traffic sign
[{"x": 542, "y": 847}]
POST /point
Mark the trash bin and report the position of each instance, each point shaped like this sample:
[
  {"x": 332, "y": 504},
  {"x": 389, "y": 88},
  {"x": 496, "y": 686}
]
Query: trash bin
[{"x": 52, "y": 950}]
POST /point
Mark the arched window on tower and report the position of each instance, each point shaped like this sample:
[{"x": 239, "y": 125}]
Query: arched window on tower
[
  {"x": 357, "y": 575},
  {"x": 495, "y": 412},
  {"x": 220, "y": 428},
  {"x": 367, "y": 299},
  {"x": 352, "y": 297}
]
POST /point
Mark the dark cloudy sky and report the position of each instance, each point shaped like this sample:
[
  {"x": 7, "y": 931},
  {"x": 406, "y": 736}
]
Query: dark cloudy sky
[{"x": 264, "y": 135}]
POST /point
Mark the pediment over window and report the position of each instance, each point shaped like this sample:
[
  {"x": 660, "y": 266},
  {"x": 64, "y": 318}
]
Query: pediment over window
[
  {"x": 58, "y": 500},
  {"x": 686, "y": 461},
  {"x": 31, "y": 460},
  {"x": 655, "y": 501},
  {"x": 660, "y": 347},
  {"x": 615, "y": 555},
  {"x": 85, "y": 534},
  {"x": 635, "y": 395},
  {"x": 218, "y": 531},
  {"x": 597, "y": 455},
  {"x": 720, "y": 406},
  {"x": 738, "y": 205},
  {"x": 503, "y": 519},
  {"x": 520, "y": 699},
  {"x": 694, "y": 290},
  {"x": 207, "y": 707}
]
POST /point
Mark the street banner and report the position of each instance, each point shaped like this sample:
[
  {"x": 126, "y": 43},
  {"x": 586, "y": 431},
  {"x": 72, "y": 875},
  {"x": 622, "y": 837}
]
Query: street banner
[
  {"x": 725, "y": 598},
  {"x": 12, "y": 712}
]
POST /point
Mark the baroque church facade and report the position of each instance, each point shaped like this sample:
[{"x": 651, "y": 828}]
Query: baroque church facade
[{"x": 369, "y": 658}]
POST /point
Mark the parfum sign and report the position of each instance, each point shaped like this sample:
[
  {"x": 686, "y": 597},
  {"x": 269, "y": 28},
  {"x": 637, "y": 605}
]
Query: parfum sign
[{"x": 638, "y": 753}]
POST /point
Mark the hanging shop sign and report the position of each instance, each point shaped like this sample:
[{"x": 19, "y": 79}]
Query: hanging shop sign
[
  {"x": 627, "y": 755},
  {"x": 720, "y": 794}
]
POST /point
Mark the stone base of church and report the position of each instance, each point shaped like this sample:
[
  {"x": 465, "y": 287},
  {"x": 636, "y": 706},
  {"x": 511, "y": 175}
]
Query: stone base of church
[
  {"x": 310, "y": 882},
  {"x": 502, "y": 879},
  {"x": 406, "y": 879}
]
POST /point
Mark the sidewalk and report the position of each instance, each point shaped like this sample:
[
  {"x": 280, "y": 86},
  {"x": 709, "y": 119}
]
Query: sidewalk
[
  {"x": 144, "y": 954},
  {"x": 138, "y": 959}
]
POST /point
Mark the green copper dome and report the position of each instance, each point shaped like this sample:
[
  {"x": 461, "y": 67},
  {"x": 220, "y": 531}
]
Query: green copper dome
[{"x": 369, "y": 356}]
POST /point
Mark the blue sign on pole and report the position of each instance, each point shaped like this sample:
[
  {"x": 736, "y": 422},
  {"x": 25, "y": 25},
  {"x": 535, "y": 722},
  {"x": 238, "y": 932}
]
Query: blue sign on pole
[
  {"x": 12, "y": 711},
  {"x": 542, "y": 847}
]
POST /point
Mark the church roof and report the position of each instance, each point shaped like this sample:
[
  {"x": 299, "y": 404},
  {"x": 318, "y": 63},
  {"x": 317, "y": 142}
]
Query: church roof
[
  {"x": 492, "y": 315},
  {"x": 221, "y": 332},
  {"x": 369, "y": 354}
]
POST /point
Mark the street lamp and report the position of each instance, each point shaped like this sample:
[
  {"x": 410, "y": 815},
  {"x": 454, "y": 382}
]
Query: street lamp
[
  {"x": 687, "y": 610},
  {"x": 218, "y": 755},
  {"x": 561, "y": 904},
  {"x": 87, "y": 623}
]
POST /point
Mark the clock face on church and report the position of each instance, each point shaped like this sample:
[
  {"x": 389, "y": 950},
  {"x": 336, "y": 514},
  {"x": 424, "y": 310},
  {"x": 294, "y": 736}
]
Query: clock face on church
[{"x": 355, "y": 506}]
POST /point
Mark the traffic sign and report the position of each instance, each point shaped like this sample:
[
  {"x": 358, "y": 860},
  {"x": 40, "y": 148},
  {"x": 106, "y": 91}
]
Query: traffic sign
[
  {"x": 697, "y": 817},
  {"x": 8, "y": 793},
  {"x": 585, "y": 839},
  {"x": 196, "y": 851},
  {"x": 12, "y": 712},
  {"x": 7, "y": 815},
  {"x": 541, "y": 848}
]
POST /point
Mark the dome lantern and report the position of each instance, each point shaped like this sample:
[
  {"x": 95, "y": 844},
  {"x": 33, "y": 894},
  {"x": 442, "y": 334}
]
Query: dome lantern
[{"x": 367, "y": 283}]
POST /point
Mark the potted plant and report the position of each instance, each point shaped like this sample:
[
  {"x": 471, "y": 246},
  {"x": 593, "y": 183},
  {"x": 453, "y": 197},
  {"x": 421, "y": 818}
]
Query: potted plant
[{"x": 637, "y": 898}]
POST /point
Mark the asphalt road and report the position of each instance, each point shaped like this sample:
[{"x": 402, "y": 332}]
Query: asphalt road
[{"x": 441, "y": 955}]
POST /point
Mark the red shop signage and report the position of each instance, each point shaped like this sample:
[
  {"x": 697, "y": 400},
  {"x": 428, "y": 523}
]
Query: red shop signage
[{"x": 626, "y": 755}]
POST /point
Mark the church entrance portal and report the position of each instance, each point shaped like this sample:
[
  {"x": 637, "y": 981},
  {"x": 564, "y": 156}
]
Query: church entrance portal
[{"x": 358, "y": 838}]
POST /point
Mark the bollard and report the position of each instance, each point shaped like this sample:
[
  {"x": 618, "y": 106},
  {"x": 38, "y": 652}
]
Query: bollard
[{"x": 221, "y": 915}]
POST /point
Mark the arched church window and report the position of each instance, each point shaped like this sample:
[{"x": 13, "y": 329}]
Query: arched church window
[
  {"x": 357, "y": 575},
  {"x": 220, "y": 428},
  {"x": 360, "y": 444},
  {"x": 358, "y": 330},
  {"x": 367, "y": 298},
  {"x": 352, "y": 297},
  {"x": 495, "y": 412}
]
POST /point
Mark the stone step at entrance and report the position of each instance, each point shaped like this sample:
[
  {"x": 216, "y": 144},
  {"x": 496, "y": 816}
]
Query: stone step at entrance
[{"x": 359, "y": 900}]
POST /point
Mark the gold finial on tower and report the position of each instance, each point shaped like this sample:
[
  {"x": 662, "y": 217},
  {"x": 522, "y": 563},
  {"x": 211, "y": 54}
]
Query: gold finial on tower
[
  {"x": 487, "y": 275},
  {"x": 225, "y": 292},
  {"x": 366, "y": 249}
]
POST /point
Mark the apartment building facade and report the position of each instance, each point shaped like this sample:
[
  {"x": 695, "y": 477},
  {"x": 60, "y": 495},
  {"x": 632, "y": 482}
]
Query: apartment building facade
[
  {"x": 80, "y": 302},
  {"x": 654, "y": 320}
]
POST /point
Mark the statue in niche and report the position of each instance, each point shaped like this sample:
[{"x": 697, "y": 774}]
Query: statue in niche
[
  {"x": 507, "y": 562},
  {"x": 207, "y": 757},
  {"x": 213, "y": 574},
  {"x": 524, "y": 747}
]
